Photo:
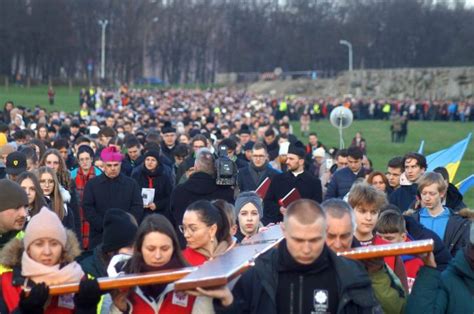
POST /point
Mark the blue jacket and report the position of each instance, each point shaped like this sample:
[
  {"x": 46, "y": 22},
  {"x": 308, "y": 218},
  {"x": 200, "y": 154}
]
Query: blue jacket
[
  {"x": 341, "y": 182},
  {"x": 97, "y": 172}
]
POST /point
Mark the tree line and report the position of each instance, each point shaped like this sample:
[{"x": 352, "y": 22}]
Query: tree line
[{"x": 189, "y": 41}]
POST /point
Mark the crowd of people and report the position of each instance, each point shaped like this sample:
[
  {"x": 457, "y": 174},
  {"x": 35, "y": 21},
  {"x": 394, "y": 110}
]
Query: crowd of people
[{"x": 131, "y": 184}]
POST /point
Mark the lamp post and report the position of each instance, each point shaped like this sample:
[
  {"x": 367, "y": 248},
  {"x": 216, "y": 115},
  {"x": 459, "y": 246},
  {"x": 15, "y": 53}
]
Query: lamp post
[
  {"x": 103, "y": 24},
  {"x": 349, "y": 45}
]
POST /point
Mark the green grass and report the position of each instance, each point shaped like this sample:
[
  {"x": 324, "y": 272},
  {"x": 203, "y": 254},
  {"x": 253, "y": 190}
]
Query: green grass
[
  {"x": 380, "y": 149},
  {"x": 66, "y": 99},
  {"x": 437, "y": 135}
]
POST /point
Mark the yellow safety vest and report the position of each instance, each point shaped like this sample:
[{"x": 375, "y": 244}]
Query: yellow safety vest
[{"x": 283, "y": 106}]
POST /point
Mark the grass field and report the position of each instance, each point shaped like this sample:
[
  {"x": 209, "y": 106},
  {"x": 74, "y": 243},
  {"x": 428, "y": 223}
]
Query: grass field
[
  {"x": 66, "y": 99},
  {"x": 437, "y": 136}
]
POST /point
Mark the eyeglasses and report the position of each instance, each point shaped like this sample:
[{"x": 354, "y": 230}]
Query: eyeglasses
[{"x": 191, "y": 230}]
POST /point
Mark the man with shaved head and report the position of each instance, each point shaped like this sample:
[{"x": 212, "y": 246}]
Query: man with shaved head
[{"x": 301, "y": 275}]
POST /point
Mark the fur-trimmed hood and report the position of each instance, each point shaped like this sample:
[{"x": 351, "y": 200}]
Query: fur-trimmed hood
[{"x": 10, "y": 255}]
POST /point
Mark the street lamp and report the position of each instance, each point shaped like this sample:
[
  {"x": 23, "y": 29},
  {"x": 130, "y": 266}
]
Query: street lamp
[
  {"x": 348, "y": 44},
  {"x": 103, "y": 24}
]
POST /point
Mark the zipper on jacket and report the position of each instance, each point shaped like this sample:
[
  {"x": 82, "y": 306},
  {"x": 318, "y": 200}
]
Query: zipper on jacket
[
  {"x": 292, "y": 298},
  {"x": 300, "y": 301}
]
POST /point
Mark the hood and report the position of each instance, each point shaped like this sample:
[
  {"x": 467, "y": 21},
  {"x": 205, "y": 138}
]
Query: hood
[
  {"x": 201, "y": 183},
  {"x": 10, "y": 255},
  {"x": 466, "y": 213},
  {"x": 460, "y": 266}
]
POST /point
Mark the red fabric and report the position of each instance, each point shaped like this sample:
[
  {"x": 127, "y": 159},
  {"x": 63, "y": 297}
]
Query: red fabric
[
  {"x": 11, "y": 296},
  {"x": 140, "y": 306},
  {"x": 193, "y": 257},
  {"x": 81, "y": 181}
]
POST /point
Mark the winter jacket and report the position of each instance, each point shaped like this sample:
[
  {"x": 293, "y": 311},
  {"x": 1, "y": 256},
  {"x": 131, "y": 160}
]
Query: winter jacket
[
  {"x": 102, "y": 193},
  {"x": 168, "y": 302},
  {"x": 341, "y": 182},
  {"x": 129, "y": 165},
  {"x": 456, "y": 235},
  {"x": 11, "y": 282},
  {"x": 247, "y": 182},
  {"x": 92, "y": 262},
  {"x": 419, "y": 232},
  {"x": 256, "y": 290},
  {"x": 451, "y": 291},
  {"x": 307, "y": 185},
  {"x": 199, "y": 186},
  {"x": 403, "y": 196},
  {"x": 454, "y": 198},
  {"x": 158, "y": 180}
]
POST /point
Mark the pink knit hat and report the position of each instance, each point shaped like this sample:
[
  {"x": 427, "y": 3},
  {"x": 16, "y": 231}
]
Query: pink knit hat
[
  {"x": 110, "y": 154},
  {"x": 45, "y": 224}
]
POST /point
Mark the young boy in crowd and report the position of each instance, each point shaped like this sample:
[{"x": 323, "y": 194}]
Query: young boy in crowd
[{"x": 391, "y": 228}]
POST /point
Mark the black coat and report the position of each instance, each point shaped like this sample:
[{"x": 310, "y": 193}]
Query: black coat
[
  {"x": 403, "y": 196},
  {"x": 102, "y": 193},
  {"x": 161, "y": 182},
  {"x": 256, "y": 290},
  {"x": 307, "y": 185},
  {"x": 199, "y": 186},
  {"x": 129, "y": 165},
  {"x": 246, "y": 181}
]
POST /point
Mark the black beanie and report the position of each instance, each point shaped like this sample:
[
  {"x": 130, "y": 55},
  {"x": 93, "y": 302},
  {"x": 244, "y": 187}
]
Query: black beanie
[
  {"x": 152, "y": 153},
  {"x": 12, "y": 195},
  {"x": 120, "y": 229},
  {"x": 297, "y": 149}
]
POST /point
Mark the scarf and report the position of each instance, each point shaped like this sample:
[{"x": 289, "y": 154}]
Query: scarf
[
  {"x": 257, "y": 173},
  {"x": 51, "y": 275},
  {"x": 154, "y": 291},
  {"x": 220, "y": 249}
]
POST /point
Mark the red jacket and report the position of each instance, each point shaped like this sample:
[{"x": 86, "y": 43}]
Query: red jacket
[
  {"x": 10, "y": 296},
  {"x": 170, "y": 302},
  {"x": 194, "y": 257}
]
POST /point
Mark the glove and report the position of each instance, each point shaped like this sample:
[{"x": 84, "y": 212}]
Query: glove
[
  {"x": 88, "y": 296},
  {"x": 35, "y": 301}
]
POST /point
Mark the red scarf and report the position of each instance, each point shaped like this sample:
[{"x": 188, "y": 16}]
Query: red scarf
[{"x": 81, "y": 181}]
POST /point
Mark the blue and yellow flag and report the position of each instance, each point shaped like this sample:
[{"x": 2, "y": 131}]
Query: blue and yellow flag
[
  {"x": 450, "y": 158},
  {"x": 466, "y": 184}
]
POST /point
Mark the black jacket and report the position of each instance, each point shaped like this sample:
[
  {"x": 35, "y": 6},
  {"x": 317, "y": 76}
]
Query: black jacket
[
  {"x": 247, "y": 182},
  {"x": 255, "y": 292},
  {"x": 129, "y": 165},
  {"x": 160, "y": 181},
  {"x": 307, "y": 185},
  {"x": 456, "y": 235},
  {"x": 102, "y": 193},
  {"x": 199, "y": 186},
  {"x": 403, "y": 196},
  {"x": 454, "y": 198},
  {"x": 418, "y": 232}
]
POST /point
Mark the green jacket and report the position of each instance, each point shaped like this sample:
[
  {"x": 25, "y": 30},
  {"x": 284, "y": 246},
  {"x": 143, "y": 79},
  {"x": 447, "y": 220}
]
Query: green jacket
[
  {"x": 388, "y": 291},
  {"x": 451, "y": 291}
]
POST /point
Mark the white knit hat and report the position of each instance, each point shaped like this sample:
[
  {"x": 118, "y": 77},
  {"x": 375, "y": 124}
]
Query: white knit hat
[{"x": 45, "y": 224}]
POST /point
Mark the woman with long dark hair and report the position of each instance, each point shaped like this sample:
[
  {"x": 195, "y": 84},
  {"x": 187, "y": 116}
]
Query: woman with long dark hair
[
  {"x": 156, "y": 248},
  {"x": 206, "y": 230},
  {"x": 30, "y": 183}
]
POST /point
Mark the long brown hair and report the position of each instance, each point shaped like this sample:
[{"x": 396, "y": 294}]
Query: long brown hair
[
  {"x": 57, "y": 203},
  {"x": 39, "y": 200},
  {"x": 63, "y": 174},
  {"x": 153, "y": 223}
]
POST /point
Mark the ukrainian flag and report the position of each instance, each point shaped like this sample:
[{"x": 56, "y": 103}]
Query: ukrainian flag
[
  {"x": 450, "y": 158},
  {"x": 465, "y": 184}
]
